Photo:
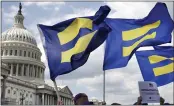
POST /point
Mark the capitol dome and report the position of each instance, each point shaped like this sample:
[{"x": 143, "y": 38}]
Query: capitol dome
[{"x": 19, "y": 50}]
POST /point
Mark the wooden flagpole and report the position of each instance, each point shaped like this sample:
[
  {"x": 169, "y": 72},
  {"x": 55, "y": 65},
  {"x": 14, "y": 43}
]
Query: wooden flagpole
[
  {"x": 57, "y": 92},
  {"x": 104, "y": 86}
]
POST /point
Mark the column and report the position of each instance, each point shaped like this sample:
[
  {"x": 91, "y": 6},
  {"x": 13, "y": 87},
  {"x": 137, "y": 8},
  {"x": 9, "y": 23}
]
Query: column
[
  {"x": 8, "y": 52},
  {"x": 48, "y": 99},
  {"x": 3, "y": 88},
  {"x": 17, "y": 69},
  {"x": 11, "y": 70},
  {"x": 4, "y": 52},
  {"x": 13, "y": 52},
  {"x": 43, "y": 74},
  {"x": 26, "y": 53},
  {"x": 53, "y": 100},
  {"x": 65, "y": 101},
  {"x": 39, "y": 73},
  {"x": 27, "y": 72},
  {"x": 22, "y": 71},
  {"x": 43, "y": 99}
]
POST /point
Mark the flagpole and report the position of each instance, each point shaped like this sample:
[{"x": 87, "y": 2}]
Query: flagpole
[
  {"x": 57, "y": 92},
  {"x": 104, "y": 86}
]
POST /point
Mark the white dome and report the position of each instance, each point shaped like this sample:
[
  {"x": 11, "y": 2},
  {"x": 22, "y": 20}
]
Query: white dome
[{"x": 18, "y": 32}]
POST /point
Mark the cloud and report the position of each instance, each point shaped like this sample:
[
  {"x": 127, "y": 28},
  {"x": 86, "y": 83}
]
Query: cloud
[
  {"x": 121, "y": 83},
  {"x": 10, "y": 13},
  {"x": 128, "y": 10},
  {"x": 43, "y": 4}
]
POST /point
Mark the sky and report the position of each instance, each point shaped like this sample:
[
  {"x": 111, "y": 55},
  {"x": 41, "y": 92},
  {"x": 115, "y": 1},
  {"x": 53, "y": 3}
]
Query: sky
[{"x": 121, "y": 83}]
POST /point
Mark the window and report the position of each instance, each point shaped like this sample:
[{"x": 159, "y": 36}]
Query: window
[
  {"x": 20, "y": 53},
  {"x": 9, "y": 66},
  {"x": 38, "y": 74},
  {"x": 29, "y": 71},
  {"x": 26, "y": 95},
  {"x": 32, "y": 55},
  {"x": 35, "y": 56},
  {"x": 28, "y": 54},
  {"x": 15, "y": 52},
  {"x": 31, "y": 96},
  {"x": 11, "y": 51},
  {"x": 19, "y": 70},
  {"x": 14, "y": 69},
  {"x": 35, "y": 72},
  {"x": 24, "y": 53},
  {"x": 25, "y": 69}
]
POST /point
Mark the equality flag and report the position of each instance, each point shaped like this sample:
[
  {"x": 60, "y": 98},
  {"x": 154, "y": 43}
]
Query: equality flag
[
  {"x": 157, "y": 65},
  {"x": 68, "y": 44},
  {"x": 128, "y": 35}
]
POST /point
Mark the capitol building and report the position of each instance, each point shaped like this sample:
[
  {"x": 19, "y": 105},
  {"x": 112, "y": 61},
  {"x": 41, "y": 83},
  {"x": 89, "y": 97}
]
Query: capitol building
[{"x": 22, "y": 72}]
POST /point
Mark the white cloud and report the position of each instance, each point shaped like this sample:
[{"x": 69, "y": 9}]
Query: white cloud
[
  {"x": 130, "y": 9},
  {"x": 43, "y": 4},
  {"x": 121, "y": 84},
  {"x": 9, "y": 16}
]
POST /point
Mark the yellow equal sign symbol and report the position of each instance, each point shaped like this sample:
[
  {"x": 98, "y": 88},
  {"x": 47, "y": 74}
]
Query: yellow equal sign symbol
[
  {"x": 138, "y": 32},
  {"x": 163, "y": 69},
  {"x": 71, "y": 32}
]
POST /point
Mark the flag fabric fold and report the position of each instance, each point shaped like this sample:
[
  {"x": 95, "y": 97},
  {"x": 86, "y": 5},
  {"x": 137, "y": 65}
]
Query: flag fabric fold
[
  {"x": 128, "y": 35},
  {"x": 68, "y": 44},
  {"x": 157, "y": 65}
]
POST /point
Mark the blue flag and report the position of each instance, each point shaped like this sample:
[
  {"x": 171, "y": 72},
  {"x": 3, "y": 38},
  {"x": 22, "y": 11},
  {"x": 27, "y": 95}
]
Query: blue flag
[
  {"x": 162, "y": 47},
  {"x": 157, "y": 65},
  {"x": 68, "y": 44},
  {"x": 128, "y": 35}
]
